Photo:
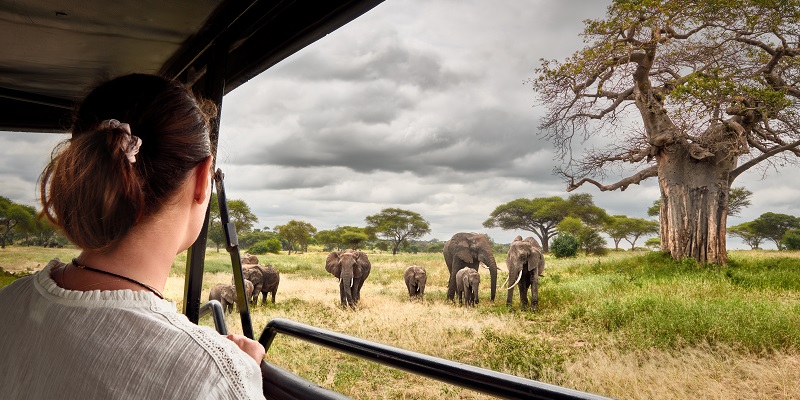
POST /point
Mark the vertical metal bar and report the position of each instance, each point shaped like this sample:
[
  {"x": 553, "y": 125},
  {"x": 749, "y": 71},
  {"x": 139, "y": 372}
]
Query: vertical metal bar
[
  {"x": 232, "y": 245},
  {"x": 213, "y": 90}
]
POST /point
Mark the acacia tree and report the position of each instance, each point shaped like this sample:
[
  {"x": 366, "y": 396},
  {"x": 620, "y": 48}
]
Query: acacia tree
[
  {"x": 296, "y": 233},
  {"x": 542, "y": 215},
  {"x": 773, "y": 226},
  {"x": 238, "y": 212},
  {"x": 397, "y": 226},
  {"x": 748, "y": 233},
  {"x": 714, "y": 85},
  {"x": 14, "y": 216}
]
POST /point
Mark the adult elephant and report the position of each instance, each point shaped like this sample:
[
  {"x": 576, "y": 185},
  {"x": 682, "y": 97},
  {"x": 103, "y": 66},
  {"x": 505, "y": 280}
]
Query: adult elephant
[
  {"x": 525, "y": 264},
  {"x": 469, "y": 250},
  {"x": 265, "y": 278},
  {"x": 352, "y": 267}
]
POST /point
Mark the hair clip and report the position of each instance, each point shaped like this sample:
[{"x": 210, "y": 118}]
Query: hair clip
[{"x": 131, "y": 143}]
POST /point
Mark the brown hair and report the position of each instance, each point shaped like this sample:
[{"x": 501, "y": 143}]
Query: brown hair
[{"x": 91, "y": 190}]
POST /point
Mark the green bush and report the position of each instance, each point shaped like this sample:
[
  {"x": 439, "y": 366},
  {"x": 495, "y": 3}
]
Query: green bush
[
  {"x": 592, "y": 242},
  {"x": 564, "y": 245},
  {"x": 791, "y": 240},
  {"x": 271, "y": 245}
]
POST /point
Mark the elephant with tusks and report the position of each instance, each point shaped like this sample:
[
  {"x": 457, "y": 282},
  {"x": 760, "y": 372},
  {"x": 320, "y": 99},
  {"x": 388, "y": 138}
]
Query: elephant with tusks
[
  {"x": 469, "y": 250},
  {"x": 415, "y": 278},
  {"x": 525, "y": 265},
  {"x": 352, "y": 267}
]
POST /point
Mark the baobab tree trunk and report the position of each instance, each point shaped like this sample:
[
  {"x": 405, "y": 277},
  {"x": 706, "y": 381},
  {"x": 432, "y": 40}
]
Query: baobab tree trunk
[{"x": 694, "y": 198}]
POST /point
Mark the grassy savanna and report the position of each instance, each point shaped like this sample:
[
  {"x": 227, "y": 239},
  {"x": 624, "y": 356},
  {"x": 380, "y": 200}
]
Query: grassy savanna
[{"x": 628, "y": 325}]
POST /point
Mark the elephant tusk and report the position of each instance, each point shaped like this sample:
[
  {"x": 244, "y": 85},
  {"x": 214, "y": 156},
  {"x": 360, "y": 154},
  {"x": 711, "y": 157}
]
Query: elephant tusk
[
  {"x": 487, "y": 267},
  {"x": 351, "y": 282},
  {"x": 504, "y": 283},
  {"x": 518, "y": 278}
]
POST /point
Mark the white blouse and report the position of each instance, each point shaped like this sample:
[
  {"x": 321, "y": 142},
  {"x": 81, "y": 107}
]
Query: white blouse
[{"x": 118, "y": 344}]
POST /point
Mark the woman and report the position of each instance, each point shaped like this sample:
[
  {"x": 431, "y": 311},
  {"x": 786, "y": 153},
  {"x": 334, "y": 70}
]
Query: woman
[{"x": 130, "y": 188}]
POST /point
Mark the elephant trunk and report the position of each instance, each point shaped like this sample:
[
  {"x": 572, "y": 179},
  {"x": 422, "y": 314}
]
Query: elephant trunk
[
  {"x": 492, "y": 264},
  {"x": 346, "y": 290}
]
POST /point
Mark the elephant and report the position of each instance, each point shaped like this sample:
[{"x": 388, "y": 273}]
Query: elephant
[
  {"x": 265, "y": 279},
  {"x": 467, "y": 283},
  {"x": 249, "y": 259},
  {"x": 415, "y": 277},
  {"x": 226, "y": 294},
  {"x": 352, "y": 267},
  {"x": 525, "y": 264},
  {"x": 469, "y": 249}
]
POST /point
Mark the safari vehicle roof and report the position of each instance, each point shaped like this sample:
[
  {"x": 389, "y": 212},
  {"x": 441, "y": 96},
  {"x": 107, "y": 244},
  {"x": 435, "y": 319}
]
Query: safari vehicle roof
[{"x": 52, "y": 50}]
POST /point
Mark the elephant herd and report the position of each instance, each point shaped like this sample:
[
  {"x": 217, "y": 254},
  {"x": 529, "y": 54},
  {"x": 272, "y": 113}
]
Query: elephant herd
[
  {"x": 463, "y": 253},
  {"x": 258, "y": 279}
]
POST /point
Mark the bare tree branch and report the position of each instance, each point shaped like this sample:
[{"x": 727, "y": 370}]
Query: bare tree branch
[
  {"x": 765, "y": 155},
  {"x": 623, "y": 184}
]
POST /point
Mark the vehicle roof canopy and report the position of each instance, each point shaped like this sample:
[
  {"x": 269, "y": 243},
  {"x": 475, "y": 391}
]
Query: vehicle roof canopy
[{"x": 53, "y": 50}]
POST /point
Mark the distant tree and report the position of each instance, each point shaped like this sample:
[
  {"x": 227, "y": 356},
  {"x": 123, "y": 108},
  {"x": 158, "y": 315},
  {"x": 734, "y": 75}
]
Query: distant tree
[
  {"x": 343, "y": 237},
  {"x": 14, "y": 216},
  {"x": 543, "y": 214},
  {"x": 396, "y": 225},
  {"x": 435, "y": 247},
  {"x": 773, "y": 226},
  {"x": 653, "y": 243},
  {"x": 238, "y": 212},
  {"x": 630, "y": 229},
  {"x": 271, "y": 245},
  {"x": 297, "y": 234},
  {"x": 589, "y": 238},
  {"x": 712, "y": 89},
  {"x": 748, "y": 233},
  {"x": 329, "y": 239},
  {"x": 738, "y": 199},
  {"x": 248, "y": 239}
]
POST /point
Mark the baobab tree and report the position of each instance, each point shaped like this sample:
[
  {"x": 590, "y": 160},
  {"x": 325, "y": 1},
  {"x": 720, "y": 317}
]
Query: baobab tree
[{"x": 692, "y": 93}]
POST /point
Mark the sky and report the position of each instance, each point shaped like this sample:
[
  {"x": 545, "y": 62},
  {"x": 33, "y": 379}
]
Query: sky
[{"x": 418, "y": 105}]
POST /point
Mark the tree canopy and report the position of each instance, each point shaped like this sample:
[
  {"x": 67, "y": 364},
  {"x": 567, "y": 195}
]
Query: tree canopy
[
  {"x": 542, "y": 215},
  {"x": 14, "y": 216},
  {"x": 239, "y": 213},
  {"x": 296, "y": 233},
  {"x": 714, "y": 87},
  {"x": 631, "y": 229},
  {"x": 397, "y": 225},
  {"x": 748, "y": 233},
  {"x": 343, "y": 237},
  {"x": 773, "y": 226}
]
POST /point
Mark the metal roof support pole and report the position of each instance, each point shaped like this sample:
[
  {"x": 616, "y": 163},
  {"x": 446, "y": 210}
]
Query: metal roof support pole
[{"x": 213, "y": 89}]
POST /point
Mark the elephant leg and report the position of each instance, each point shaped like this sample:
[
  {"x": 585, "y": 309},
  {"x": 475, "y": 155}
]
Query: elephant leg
[
  {"x": 274, "y": 292},
  {"x": 534, "y": 292},
  {"x": 523, "y": 293},
  {"x": 451, "y": 285}
]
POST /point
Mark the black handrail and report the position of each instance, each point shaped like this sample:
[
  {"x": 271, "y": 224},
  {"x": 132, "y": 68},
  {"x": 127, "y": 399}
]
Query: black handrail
[
  {"x": 467, "y": 376},
  {"x": 214, "y": 308}
]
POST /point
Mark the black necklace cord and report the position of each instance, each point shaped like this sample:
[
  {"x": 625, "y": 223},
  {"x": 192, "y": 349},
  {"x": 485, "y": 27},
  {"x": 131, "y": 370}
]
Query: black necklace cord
[{"x": 144, "y": 285}]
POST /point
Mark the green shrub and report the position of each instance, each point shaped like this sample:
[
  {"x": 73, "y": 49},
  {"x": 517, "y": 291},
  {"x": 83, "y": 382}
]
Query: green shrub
[
  {"x": 564, "y": 245},
  {"x": 791, "y": 240},
  {"x": 271, "y": 245},
  {"x": 593, "y": 243}
]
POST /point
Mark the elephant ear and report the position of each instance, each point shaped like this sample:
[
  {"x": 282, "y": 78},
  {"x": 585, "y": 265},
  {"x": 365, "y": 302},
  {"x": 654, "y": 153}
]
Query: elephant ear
[
  {"x": 363, "y": 266},
  {"x": 461, "y": 250},
  {"x": 332, "y": 264},
  {"x": 536, "y": 261}
]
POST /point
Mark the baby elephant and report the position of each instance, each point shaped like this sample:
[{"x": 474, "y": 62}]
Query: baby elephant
[
  {"x": 415, "y": 277},
  {"x": 226, "y": 294},
  {"x": 265, "y": 278},
  {"x": 467, "y": 282}
]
